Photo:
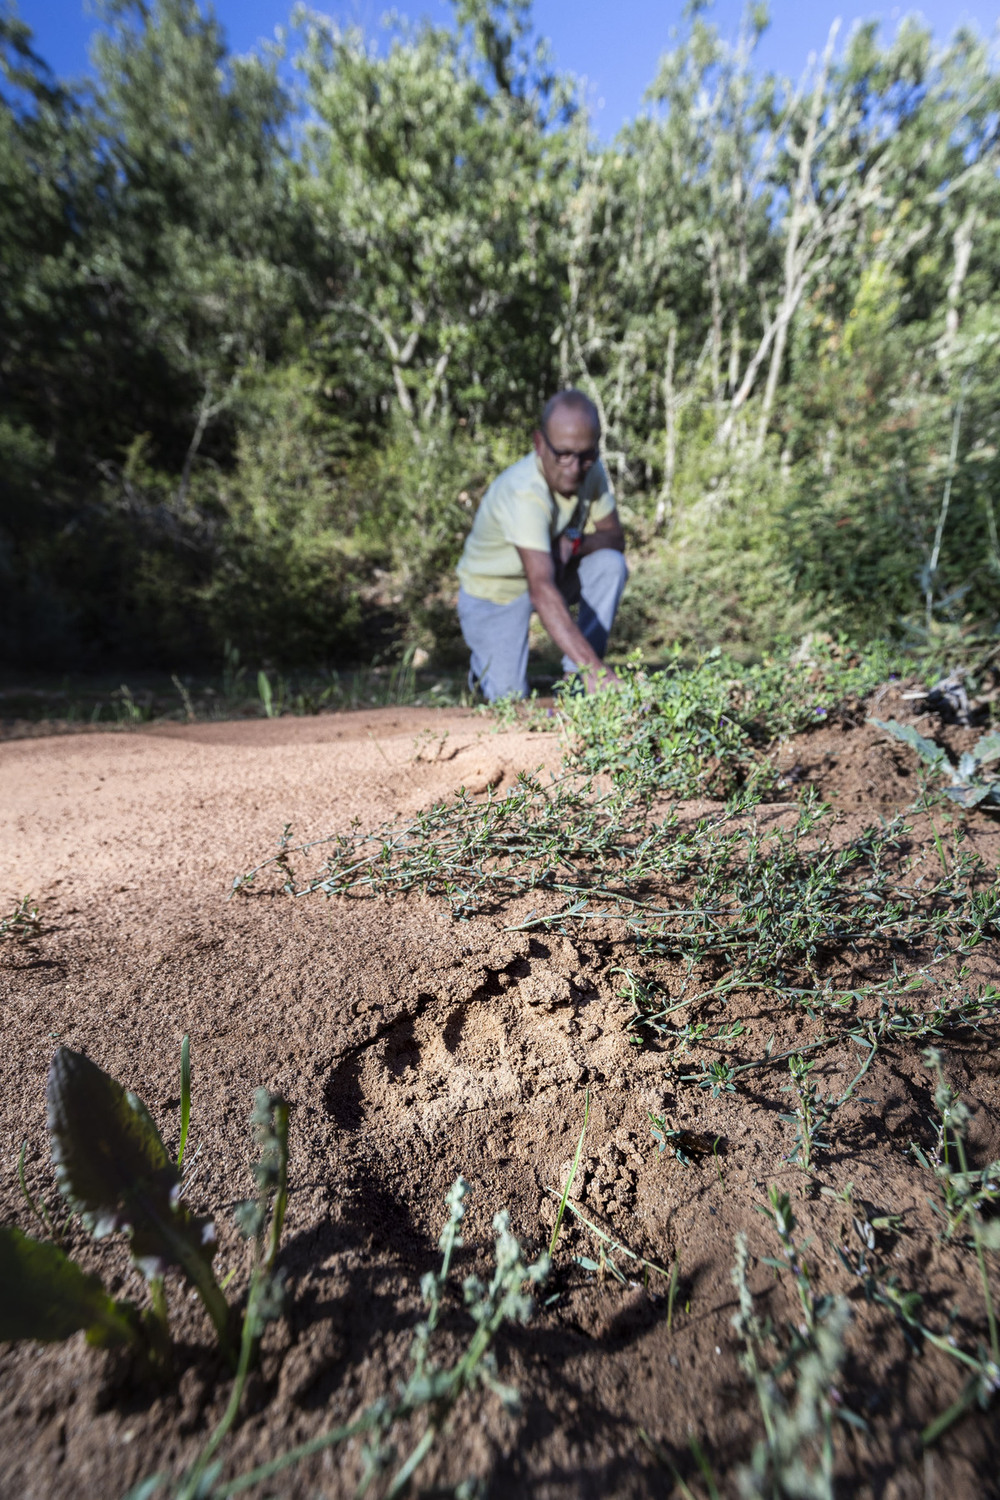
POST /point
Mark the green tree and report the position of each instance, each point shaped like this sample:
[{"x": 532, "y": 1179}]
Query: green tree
[
  {"x": 436, "y": 167},
  {"x": 154, "y": 257}
]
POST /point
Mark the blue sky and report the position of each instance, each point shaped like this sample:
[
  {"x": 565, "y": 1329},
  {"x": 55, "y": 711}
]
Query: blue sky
[{"x": 614, "y": 45}]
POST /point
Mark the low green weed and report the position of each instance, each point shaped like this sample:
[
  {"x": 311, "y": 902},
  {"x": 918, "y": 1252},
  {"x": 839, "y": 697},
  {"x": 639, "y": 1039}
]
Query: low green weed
[
  {"x": 608, "y": 1247},
  {"x": 190, "y": 714},
  {"x": 571, "y": 1178},
  {"x": 272, "y": 706},
  {"x": 796, "y": 1455},
  {"x": 768, "y": 904},
  {"x": 430, "y": 1391},
  {"x": 981, "y": 1365},
  {"x": 125, "y": 708},
  {"x": 705, "y": 724},
  {"x": 719, "y": 1077},
  {"x": 964, "y": 1193},
  {"x": 238, "y": 692},
  {"x": 233, "y": 671},
  {"x": 260, "y": 1219},
  {"x": 982, "y": 1381},
  {"x": 812, "y": 1116},
  {"x": 683, "y": 1145},
  {"x": 21, "y": 923}
]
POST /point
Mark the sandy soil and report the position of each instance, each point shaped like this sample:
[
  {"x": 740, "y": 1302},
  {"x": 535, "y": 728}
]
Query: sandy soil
[{"x": 414, "y": 1048}]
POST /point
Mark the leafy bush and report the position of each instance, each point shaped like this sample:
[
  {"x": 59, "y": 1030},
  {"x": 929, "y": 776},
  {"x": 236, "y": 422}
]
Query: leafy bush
[
  {"x": 285, "y": 571},
  {"x": 702, "y": 726}
]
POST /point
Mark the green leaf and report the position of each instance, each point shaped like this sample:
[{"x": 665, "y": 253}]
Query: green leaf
[
  {"x": 966, "y": 766},
  {"x": 104, "y": 1143},
  {"x": 969, "y": 796},
  {"x": 45, "y": 1295},
  {"x": 931, "y": 754},
  {"x": 987, "y": 749},
  {"x": 114, "y": 1170},
  {"x": 146, "y": 1488}
]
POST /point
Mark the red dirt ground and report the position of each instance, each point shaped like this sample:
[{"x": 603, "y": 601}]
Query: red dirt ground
[{"x": 414, "y": 1048}]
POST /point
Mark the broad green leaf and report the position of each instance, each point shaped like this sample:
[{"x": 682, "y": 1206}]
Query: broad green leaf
[
  {"x": 987, "y": 749},
  {"x": 114, "y": 1171},
  {"x": 969, "y": 796},
  {"x": 45, "y": 1295},
  {"x": 931, "y": 754},
  {"x": 966, "y": 766},
  {"x": 104, "y": 1143}
]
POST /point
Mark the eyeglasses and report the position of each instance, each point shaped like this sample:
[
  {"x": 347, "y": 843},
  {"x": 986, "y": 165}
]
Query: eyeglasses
[{"x": 586, "y": 457}]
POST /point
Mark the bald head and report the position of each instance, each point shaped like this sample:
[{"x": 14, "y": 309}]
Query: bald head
[
  {"x": 568, "y": 441},
  {"x": 571, "y": 401}
]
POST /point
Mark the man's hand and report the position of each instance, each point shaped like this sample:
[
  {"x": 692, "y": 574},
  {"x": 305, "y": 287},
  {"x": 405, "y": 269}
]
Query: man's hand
[
  {"x": 568, "y": 549},
  {"x": 607, "y": 532},
  {"x": 600, "y": 679},
  {"x": 539, "y": 569}
]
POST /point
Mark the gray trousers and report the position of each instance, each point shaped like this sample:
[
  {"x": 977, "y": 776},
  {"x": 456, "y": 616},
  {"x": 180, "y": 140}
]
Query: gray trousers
[{"x": 497, "y": 634}]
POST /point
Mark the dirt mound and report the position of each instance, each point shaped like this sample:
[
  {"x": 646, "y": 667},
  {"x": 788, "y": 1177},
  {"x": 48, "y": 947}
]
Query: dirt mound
[
  {"x": 415, "y": 1048},
  {"x": 857, "y": 766}
]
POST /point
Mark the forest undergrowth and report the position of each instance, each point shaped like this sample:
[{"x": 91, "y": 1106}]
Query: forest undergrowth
[{"x": 795, "y": 359}]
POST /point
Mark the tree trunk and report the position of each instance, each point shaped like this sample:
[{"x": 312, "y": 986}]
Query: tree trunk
[
  {"x": 962, "y": 243},
  {"x": 799, "y": 213},
  {"x": 665, "y": 503}
]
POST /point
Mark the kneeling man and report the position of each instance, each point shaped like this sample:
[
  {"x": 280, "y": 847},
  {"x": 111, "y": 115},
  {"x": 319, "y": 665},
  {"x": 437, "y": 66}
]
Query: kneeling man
[{"x": 546, "y": 536}]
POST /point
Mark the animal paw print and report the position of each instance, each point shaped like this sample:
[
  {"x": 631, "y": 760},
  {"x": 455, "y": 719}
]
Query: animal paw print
[{"x": 606, "y": 1180}]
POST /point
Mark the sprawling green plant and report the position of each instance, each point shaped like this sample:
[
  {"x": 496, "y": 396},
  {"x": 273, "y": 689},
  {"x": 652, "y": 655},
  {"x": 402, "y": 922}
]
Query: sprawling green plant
[
  {"x": 704, "y": 724},
  {"x": 796, "y": 1455},
  {"x": 964, "y": 1194},
  {"x": 768, "y": 903},
  {"x": 430, "y": 1392}
]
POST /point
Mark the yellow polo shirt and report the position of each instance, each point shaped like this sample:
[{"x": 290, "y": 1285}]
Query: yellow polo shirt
[{"x": 519, "y": 510}]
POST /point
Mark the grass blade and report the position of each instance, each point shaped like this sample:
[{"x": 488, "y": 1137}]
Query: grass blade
[
  {"x": 185, "y": 1096},
  {"x": 672, "y": 1294},
  {"x": 572, "y": 1175}
]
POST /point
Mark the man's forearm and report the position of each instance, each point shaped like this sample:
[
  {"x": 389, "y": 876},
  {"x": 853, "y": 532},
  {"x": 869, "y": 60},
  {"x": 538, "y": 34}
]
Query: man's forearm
[
  {"x": 558, "y": 622},
  {"x": 597, "y": 541}
]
